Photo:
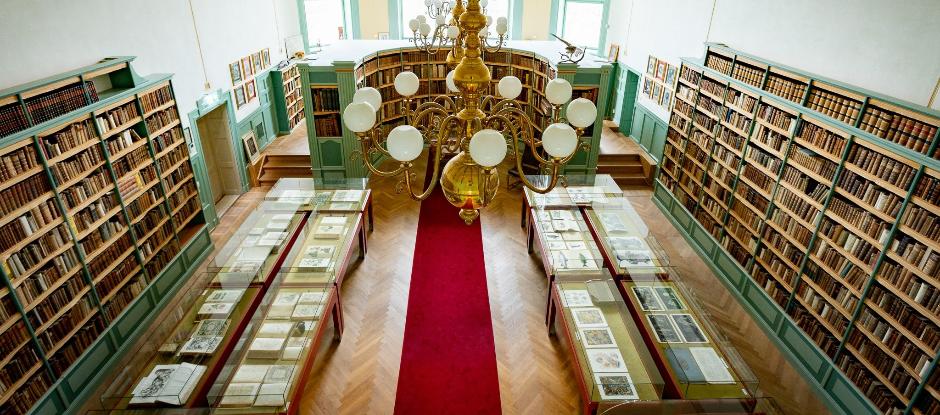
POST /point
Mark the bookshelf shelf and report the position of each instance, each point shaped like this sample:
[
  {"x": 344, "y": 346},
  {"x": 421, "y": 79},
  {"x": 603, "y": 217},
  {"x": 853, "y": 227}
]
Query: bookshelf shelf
[{"x": 832, "y": 222}]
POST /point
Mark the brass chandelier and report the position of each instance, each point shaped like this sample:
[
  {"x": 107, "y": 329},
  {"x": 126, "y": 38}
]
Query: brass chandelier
[{"x": 479, "y": 128}]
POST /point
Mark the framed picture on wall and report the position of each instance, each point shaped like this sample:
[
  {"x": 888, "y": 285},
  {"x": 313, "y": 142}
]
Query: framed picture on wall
[
  {"x": 251, "y": 146},
  {"x": 250, "y": 91},
  {"x": 266, "y": 57},
  {"x": 651, "y": 66},
  {"x": 661, "y": 70},
  {"x": 613, "y": 53},
  {"x": 670, "y": 75},
  {"x": 246, "y": 67},
  {"x": 647, "y": 85},
  {"x": 239, "y": 92},
  {"x": 256, "y": 60},
  {"x": 667, "y": 97},
  {"x": 235, "y": 69},
  {"x": 657, "y": 92}
]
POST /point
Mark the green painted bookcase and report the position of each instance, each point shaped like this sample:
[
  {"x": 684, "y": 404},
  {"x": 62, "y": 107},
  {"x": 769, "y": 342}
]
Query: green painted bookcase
[
  {"x": 805, "y": 140},
  {"x": 118, "y": 309}
]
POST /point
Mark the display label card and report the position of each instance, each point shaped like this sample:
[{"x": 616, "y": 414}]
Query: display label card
[
  {"x": 712, "y": 365},
  {"x": 607, "y": 360}
]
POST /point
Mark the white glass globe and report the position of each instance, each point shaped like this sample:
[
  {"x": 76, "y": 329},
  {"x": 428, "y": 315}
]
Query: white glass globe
[
  {"x": 405, "y": 143},
  {"x": 424, "y": 29},
  {"x": 359, "y": 117},
  {"x": 502, "y": 19},
  {"x": 581, "y": 113},
  {"x": 559, "y": 140},
  {"x": 450, "y": 82},
  {"x": 452, "y": 32},
  {"x": 428, "y": 3},
  {"x": 483, "y": 4},
  {"x": 501, "y": 28},
  {"x": 413, "y": 25},
  {"x": 558, "y": 91},
  {"x": 509, "y": 87},
  {"x": 489, "y": 20},
  {"x": 439, "y": 20},
  {"x": 421, "y": 18},
  {"x": 369, "y": 95},
  {"x": 487, "y": 147},
  {"x": 406, "y": 83}
]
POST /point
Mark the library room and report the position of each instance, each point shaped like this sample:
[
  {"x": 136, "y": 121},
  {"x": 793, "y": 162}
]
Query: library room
[{"x": 470, "y": 207}]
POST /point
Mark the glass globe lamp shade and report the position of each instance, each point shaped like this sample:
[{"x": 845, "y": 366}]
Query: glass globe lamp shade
[
  {"x": 405, "y": 143},
  {"x": 359, "y": 117},
  {"x": 370, "y": 96},
  {"x": 428, "y": 3},
  {"x": 413, "y": 25},
  {"x": 424, "y": 29},
  {"x": 509, "y": 87},
  {"x": 558, "y": 91},
  {"x": 421, "y": 19},
  {"x": 452, "y": 32},
  {"x": 559, "y": 140},
  {"x": 501, "y": 28},
  {"x": 489, "y": 20},
  {"x": 581, "y": 113},
  {"x": 451, "y": 86},
  {"x": 406, "y": 83},
  {"x": 502, "y": 20},
  {"x": 439, "y": 20},
  {"x": 483, "y": 3},
  {"x": 487, "y": 147}
]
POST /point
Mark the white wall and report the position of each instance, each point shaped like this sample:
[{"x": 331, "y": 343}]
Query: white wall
[
  {"x": 43, "y": 38},
  {"x": 885, "y": 46}
]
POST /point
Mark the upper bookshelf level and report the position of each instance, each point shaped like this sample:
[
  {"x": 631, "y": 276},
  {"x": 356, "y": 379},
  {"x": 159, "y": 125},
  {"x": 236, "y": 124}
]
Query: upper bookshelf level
[{"x": 910, "y": 126}]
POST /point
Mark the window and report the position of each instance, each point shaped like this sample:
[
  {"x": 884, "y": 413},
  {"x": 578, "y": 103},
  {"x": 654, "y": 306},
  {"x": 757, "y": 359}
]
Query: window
[
  {"x": 412, "y": 8},
  {"x": 326, "y": 21},
  {"x": 579, "y": 22}
]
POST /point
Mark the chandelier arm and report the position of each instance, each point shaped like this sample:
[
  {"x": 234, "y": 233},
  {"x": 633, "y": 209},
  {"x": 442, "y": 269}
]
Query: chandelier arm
[
  {"x": 438, "y": 155},
  {"x": 366, "y": 150},
  {"x": 505, "y": 113},
  {"x": 376, "y": 144}
]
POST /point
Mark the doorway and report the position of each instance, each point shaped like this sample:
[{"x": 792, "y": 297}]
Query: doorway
[{"x": 222, "y": 169}]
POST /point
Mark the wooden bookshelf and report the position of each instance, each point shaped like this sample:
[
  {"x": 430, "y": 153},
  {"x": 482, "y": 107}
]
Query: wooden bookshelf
[
  {"x": 86, "y": 225},
  {"x": 288, "y": 97},
  {"x": 837, "y": 226}
]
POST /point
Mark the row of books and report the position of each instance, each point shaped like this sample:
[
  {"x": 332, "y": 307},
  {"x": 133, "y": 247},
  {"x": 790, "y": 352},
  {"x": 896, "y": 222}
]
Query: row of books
[
  {"x": 718, "y": 63},
  {"x": 102, "y": 234},
  {"x": 785, "y": 88},
  {"x": 109, "y": 255},
  {"x": 129, "y": 292},
  {"x": 27, "y": 224},
  {"x": 748, "y": 74},
  {"x": 156, "y": 98},
  {"x": 72, "y": 136},
  {"x": 46, "y": 106},
  {"x": 325, "y": 99},
  {"x": 822, "y": 138},
  {"x": 327, "y": 125},
  {"x": 17, "y": 162},
  {"x": 19, "y": 263},
  {"x": 28, "y": 393},
  {"x": 913, "y": 134},
  {"x": 882, "y": 166},
  {"x": 836, "y": 106},
  {"x": 76, "y": 344},
  {"x": 38, "y": 283},
  {"x": 117, "y": 117},
  {"x": 162, "y": 119},
  {"x": 77, "y": 165},
  {"x": 76, "y": 194}
]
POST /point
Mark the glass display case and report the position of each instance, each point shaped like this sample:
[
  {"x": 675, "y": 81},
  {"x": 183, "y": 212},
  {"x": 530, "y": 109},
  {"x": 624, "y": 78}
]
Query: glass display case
[
  {"x": 327, "y": 195},
  {"x": 254, "y": 249},
  {"x": 611, "y": 361},
  {"x": 267, "y": 370},
  {"x": 700, "y": 362},
  {"x": 324, "y": 248},
  {"x": 564, "y": 241},
  {"x": 201, "y": 332},
  {"x": 576, "y": 190},
  {"x": 625, "y": 240}
]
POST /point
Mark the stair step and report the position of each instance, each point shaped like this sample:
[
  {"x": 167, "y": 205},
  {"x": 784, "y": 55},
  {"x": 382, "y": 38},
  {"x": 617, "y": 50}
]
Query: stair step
[
  {"x": 282, "y": 165},
  {"x": 618, "y": 158},
  {"x": 636, "y": 169},
  {"x": 631, "y": 180}
]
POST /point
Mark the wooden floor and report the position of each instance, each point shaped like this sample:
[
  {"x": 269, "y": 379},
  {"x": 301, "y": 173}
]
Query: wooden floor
[
  {"x": 613, "y": 142},
  {"x": 359, "y": 374}
]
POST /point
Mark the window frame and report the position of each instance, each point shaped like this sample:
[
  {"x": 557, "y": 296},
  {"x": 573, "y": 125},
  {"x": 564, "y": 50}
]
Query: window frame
[
  {"x": 396, "y": 19},
  {"x": 350, "y": 20},
  {"x": 557, "y": 20}
]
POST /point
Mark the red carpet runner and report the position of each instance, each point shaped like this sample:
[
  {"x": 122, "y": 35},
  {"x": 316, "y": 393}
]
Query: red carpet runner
[{"x": 448, "y": 359}]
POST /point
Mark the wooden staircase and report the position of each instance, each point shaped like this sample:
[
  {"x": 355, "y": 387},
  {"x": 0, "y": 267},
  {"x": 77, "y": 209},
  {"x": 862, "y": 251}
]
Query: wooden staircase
[
  {"x": 627, "y": 169},
  {"x": 277, "y": 166}
]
